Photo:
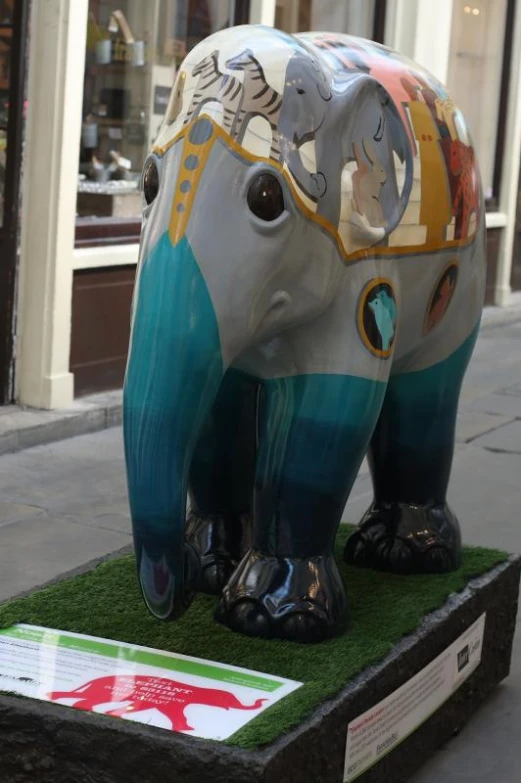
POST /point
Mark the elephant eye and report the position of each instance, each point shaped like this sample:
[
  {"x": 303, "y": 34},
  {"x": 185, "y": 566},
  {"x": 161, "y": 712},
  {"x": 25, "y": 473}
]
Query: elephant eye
[
  {"x": 300, "y": 91},
  {"x": 150, "y": 181},
  {"x": 265, "y": 197}
]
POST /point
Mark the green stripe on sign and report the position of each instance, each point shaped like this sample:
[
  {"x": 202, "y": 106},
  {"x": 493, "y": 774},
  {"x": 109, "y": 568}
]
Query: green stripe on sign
[{"x": 141, "y": 656}]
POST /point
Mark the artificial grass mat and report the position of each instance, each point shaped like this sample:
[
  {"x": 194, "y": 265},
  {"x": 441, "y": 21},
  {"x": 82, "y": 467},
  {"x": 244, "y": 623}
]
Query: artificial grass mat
[{"x": 384, "y": 607}]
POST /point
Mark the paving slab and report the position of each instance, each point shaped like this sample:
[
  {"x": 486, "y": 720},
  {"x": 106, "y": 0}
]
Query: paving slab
[
  {"x": 499, "y": 403},
  {"x": 488, "y": 749},
  {"x": 504, "y": 438},
  {"x": 13, "y": 512},
  {"x": 470, "y": 424},
  {"x": 35, "y": 550}
]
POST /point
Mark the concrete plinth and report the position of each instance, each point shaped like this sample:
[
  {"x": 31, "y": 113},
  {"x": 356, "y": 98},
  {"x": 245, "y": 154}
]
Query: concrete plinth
[{"x": 52, "y": 744}]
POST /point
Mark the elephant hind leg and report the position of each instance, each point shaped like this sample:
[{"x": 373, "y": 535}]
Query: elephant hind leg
[
  {"x": 221, "y": 482},
  {"x": 409, "y": 528}
]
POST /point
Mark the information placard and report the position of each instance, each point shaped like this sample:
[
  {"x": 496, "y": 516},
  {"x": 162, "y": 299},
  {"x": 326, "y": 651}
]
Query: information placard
[
  {"x": 375, "y": 733},
  {"x": 176, "y": 692}
]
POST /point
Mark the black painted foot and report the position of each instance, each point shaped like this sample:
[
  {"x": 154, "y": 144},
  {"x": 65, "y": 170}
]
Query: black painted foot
[
  {"x": 286, "y": 598},
  {"x": 220, "y": 543},
  {"x": 406, "y": 539}
]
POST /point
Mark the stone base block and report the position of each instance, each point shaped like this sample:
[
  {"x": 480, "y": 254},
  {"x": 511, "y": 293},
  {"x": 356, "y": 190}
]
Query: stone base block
[{"x": 52, "y": 744}]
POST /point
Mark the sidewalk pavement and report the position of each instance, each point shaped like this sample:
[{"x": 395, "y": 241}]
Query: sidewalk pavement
[{"x": 64, "y": 503}]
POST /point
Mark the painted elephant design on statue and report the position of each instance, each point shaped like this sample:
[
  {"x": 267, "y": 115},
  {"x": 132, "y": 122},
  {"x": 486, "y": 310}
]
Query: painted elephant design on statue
[
  {"x": 258, "y": 99},
  {"x": 466, "y": 199},
  {"x": 214, "y": 85},
  {"x": 145, "y": 693},
  {"x": 272, "y": 347}
]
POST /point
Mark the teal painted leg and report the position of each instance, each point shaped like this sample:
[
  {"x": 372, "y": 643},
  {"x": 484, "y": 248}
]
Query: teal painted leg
[
  {"x": 409, "y": 527},
  {"x": 221, "y": 482},
  {"x": 314, "y": 432}
]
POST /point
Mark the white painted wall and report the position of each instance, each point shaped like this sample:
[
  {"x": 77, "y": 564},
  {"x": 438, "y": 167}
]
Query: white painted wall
[
  {"x": 400, "y": 25},
  {"x": 432, "y": 44},
  {"x": 56, "y": 67},
  {"x": 262, "y": 12}
]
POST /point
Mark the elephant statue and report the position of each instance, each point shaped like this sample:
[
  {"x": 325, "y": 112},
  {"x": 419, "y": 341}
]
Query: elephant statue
[{"x": 293, "y": 311}]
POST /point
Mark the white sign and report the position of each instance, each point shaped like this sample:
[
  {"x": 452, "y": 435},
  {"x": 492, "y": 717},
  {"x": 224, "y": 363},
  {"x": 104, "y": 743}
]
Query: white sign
[
  {"x": 375, "y": 733},
  {"x": 176, "y": 692}
]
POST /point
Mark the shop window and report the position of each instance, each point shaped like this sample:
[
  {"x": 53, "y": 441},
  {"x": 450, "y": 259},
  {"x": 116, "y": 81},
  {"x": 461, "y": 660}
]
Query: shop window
[
  {"x": 364, "y": 18},
  {"x": 479, "y": 67},
  {"x": 133, "y": 51}
]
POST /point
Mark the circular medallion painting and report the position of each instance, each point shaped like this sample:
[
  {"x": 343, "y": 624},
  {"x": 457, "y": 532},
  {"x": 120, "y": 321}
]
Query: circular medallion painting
[
  {"x": 441, "y": 297},
  {"x": 377, "y": 317}
]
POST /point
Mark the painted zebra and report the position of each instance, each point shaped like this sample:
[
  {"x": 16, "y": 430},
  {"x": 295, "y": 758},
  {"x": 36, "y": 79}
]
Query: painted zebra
[
  {"x": 258, "y": 99},
  {"x": 213, "y": 85}
]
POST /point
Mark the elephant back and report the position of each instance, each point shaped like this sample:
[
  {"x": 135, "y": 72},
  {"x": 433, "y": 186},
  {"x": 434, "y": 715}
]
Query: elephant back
[{"x": 357, "y": 130}]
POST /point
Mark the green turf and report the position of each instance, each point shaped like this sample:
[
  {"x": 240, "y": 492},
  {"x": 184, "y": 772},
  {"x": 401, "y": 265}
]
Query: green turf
[{"x": 385, "y": 607}]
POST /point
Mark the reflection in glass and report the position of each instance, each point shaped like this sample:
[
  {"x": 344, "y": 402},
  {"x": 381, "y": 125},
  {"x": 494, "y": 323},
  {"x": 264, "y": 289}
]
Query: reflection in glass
[
  {"x": 133, "y": 52},
  {"x": 6, "y": 11},
  {"x": 354, "y": 17},
  {"x": 475, "y": 65}
]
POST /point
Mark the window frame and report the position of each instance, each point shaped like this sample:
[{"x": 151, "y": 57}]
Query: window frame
[
  {"x": 492, "y": 203},
  {"x": 379, "y": 17}
]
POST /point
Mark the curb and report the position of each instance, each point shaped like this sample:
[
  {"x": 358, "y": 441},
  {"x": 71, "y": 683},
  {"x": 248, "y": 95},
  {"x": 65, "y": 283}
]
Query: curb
[{"x": 24, "y": 428}]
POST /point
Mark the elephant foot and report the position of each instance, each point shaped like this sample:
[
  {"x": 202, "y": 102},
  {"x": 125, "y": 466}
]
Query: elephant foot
[
  {"x": 283, "y": 597},
  {"x": 406, "y": 539},
  {"x": 219, "y": 541}
]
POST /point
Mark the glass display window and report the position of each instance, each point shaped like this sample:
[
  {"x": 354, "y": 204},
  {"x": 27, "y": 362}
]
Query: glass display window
[
  {"x": 133, "y": 51},
  {"x": 355, "y": 17},
  {"x": 477, "y": 67}
]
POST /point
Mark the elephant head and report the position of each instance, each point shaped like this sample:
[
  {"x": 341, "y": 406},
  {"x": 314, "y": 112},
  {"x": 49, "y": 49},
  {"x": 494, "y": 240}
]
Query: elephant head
[
  {"x": 305, "y": 104},
  {"x": 307, "y": 91},
  {"x": 227, "y": 261}
]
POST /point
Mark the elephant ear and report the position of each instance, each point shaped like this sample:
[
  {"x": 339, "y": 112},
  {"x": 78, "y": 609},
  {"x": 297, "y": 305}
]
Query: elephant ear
[{"x": 380, "y": 158}]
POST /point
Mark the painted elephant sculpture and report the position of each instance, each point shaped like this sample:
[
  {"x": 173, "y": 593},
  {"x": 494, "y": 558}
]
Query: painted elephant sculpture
[
  {"x": 302, "y": 298},
  {"x": 146, "y": 693}
]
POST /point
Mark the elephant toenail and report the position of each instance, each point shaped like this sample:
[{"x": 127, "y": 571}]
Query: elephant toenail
[
  {"x": 214, "y": 577},
  {"x": 303, "y": 627},
  {"x": 249, "y": 618}
]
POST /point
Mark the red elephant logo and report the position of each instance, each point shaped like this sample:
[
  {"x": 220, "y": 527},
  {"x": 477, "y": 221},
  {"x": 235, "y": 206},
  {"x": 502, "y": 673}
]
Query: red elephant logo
[{"x": 145, "y": 693}]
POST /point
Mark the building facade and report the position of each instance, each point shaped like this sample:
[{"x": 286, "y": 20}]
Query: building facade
[{"x": 99, "y": 74}]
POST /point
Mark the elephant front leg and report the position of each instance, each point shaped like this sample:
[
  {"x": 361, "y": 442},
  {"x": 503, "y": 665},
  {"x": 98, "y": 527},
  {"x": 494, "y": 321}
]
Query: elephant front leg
[
  {"x": 221, "y": 482},
  {"x": 314, "y": 432}
]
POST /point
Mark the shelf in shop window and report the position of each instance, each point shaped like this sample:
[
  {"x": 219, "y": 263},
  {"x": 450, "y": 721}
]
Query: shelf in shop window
[
  {"x": 121, "y": 68},
  {"x": 108, "y": 122}
]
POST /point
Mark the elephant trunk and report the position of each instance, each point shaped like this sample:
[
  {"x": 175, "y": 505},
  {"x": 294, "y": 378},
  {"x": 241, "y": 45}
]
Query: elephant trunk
[{"x": 173, "y": 374}]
